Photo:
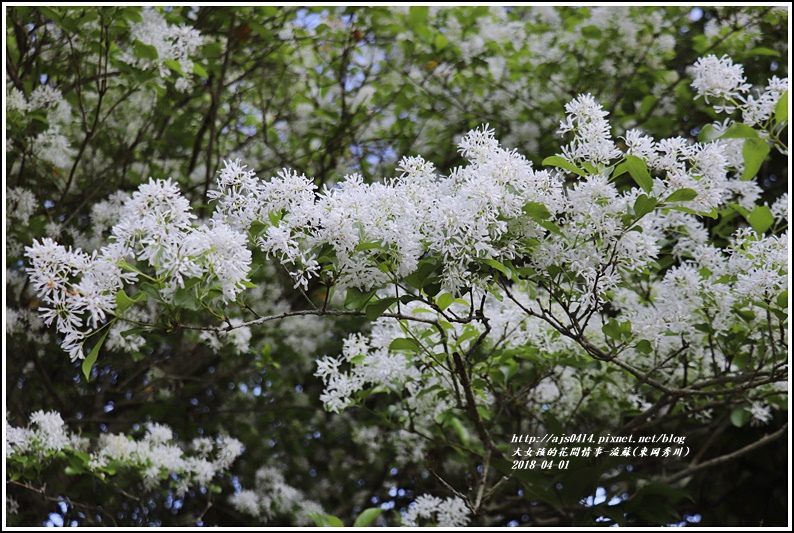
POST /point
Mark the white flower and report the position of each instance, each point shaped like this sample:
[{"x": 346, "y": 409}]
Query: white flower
[
  {"x": 50, "y": 432},
  {"x": 592, "y": 139},
  {"x": 230, "y": 449},
  {"x": 245, "y": 501},
  {"x": 718, "y": 78},
  {"x": 760, "y": 414},
  {"x": 451, "y": 512}
]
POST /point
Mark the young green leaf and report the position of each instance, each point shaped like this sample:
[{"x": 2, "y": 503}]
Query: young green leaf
[
  {"x": 444, "y": 300},
  {"x": 561, "y": 162},
  {"x": 378, "y": 307},
  {"x": 754, "y": 152},
  {"x": 781, "y": 108},
  {"x": 639, "y": 172},
  {"x": 682, "y": 195},
  {"x": 643, "y": 205},
  {"x": 537, "y": 211},
  {"x": 367, "y": 516},
  {"x": 91, "y": 358},
  {"x": 761, "y": 219}
]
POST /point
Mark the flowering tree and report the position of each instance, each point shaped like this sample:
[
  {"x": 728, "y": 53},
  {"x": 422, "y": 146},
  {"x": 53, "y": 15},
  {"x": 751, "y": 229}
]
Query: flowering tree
[{"x": 420, "y": 266}]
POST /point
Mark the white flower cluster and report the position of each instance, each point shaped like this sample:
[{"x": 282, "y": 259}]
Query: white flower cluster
[
  {"x": 685, "y": 165},
  {"x": 592, "y": 137},
  {"x": 176, "y": 43},
  {"x": 721, "y": 79},
  {"x": 20, "y": 205},
  {"x": 155, "y": 457},
  {"x": 713, "y": 288},
  {"x": 43, "y": 97},
  {"x": 379, "y": 231},
  {"x": 273, "y": 497},
  {"x": 718, "y": 78},
  {"x": 45, "y": 435},
  {"x": 76, "y": 290},
  {"x": 51, "y": 145},
  {"x": 154, "y": 226},
  {"x": 376, "y": 367},
  {"x": 759, "y": 110},
  {"x": 451, "y": 512}
]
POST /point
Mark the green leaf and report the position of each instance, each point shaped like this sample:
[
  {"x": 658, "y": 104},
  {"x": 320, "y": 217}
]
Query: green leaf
[
  {"x": 49, "y": 13},
  {"x": 367, "y": 516},
  {"x": 404, "y": 344},
  {"x": 133, "y": 14},
  {"x": 460, "y": 429},
  {"x": 466, "y": 335},
  {"x": 781, "y": 108},
  {"x": 763, "y": 51},
  {"x": 145, "y": 51},
  {"x": 537, "y": 211},
  {"x": 620, "y": 170},
  {"x": 419, "y": 278},
  {"x": 357, "y": 299},
  {"x": 440, "y": 41},
  {"x": 754, "y": 152},
  {"x": 740, "y": 416},
  {"x": 639, "y": 172},
  {"x": 682, "y": 195},
  {"x": 417, "y": 15},
  {"x": 444, "y": 300},
  {"x": 319, "y": 520},
  {"x": 616, "y": 330},
  {"x": 782, "y": 299},
  {"x": 644, "y": 205},
  {"x": 737, "y": 130},
  {"x": 739, "y": 209},
  {"x": 185, "y": 298},
  {"x": 498, "y": 266},
  {"x": 708, "y": 133},
  {"x": 378, "y": 307},
  {"x": 134, "y": 331},
  {"x": 274, "y": 217},
  {"x": 591, "y": 32},
  {"x": 508, "y": 371},
  {"x": 334, "y": 521},
  {"x": 551, "y": 226},
  {"x": 364, "y": 246},
  {"x": 561, "y": 162},
  {"x": 644, "y": 346},
  {"x": 151, "y": 291},
  {"x": 91, "y": 358},
  {"x": 173, "y": 65},
  {"x": 198, "y": 70},
  {"x": 124, "y": 302},
  {"x": 761, "y": 219}
]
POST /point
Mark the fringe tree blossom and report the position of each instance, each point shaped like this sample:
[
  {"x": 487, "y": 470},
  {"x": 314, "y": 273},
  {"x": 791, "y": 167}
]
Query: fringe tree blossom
[
  {"x": 175, "y": 43},
  {"x": 592, "y": 139},
  {"x": 371, "y": 234},
  {"x": 79, "y": 290},
  {"x": 155, "y": 457},
  {"x": 451, "y": 512},
  {"x": 719, "y": 78},
  {"x": 273, "y": 497},
  {"x": 758, "y": 111}
]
